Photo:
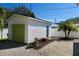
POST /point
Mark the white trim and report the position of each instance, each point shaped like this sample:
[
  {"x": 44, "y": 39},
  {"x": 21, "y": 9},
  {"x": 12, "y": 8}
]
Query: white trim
[{"x": 26, "y": 33}]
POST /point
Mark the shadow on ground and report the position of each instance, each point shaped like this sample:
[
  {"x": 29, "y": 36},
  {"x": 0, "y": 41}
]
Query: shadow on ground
[
  {"x": 76, "y": 49},
  {"x": 7, "y": 44}
]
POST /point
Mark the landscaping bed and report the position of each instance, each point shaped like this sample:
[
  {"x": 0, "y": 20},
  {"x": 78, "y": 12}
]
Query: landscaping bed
[{"x": 42, "y": 44}]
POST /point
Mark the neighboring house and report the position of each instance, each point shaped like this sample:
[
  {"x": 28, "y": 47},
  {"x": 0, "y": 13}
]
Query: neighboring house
[
  {"x": 55, "y": 33},
  {"x": 26, "y": 29}
]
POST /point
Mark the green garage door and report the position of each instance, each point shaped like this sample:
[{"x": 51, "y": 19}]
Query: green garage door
[{"x": 18, "y": 32}]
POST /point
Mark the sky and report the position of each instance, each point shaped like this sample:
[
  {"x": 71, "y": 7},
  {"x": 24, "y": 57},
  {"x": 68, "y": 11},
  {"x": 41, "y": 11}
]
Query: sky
[{"x": 49, "y": 11}]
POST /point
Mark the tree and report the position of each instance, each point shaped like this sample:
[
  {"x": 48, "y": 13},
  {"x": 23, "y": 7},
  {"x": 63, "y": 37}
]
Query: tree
[
  {"x": 67, "y": 27},
  {"x": 9, "y": 12},
  {"x": 17, "y": 10},
  {"x": 23, "y": 11},
  {"x": 75, "y": 20},
  {"x": 77, "y": 4},
  {"x": 2, "y": 19}
]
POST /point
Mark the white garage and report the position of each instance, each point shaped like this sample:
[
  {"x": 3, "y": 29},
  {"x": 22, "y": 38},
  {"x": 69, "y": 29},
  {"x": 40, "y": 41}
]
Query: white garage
[{"x": 26, "y": 29}]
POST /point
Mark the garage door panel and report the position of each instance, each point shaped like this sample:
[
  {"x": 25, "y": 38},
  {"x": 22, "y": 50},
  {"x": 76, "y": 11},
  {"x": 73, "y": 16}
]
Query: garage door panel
[
  {"x": 36, "y": 32},
  {"x": 18, "y": 32}
]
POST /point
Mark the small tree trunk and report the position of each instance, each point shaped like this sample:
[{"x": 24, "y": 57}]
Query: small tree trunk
[
  {"x": 69, "y": 33},
  {"x": 65, "y": 34}
]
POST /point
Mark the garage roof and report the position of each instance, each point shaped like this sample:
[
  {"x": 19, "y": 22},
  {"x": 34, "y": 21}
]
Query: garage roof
[{"x": 37, "y": 19}]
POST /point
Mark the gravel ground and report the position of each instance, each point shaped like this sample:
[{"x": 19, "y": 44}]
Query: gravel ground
[{"x": 55, "y": 48}]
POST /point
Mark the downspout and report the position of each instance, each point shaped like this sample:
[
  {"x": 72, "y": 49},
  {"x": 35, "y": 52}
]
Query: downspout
[{"x": 47, "y": 31}]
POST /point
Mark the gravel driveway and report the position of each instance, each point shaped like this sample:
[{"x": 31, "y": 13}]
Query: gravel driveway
[{"x": 55, "y": 48}]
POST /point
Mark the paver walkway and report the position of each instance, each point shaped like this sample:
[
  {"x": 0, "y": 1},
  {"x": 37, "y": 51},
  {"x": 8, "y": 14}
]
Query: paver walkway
[
  {"x": 20, "y": 51},
  {"x": 55, "y": 48},
  {"x": 58, "y": 49}
]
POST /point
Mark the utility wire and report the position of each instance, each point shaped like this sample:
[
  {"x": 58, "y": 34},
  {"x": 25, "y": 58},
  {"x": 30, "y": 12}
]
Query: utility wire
[
  {"x": 30, "y": 9},
  {"x": 56, "y": 8},
  {"x": 53, "y": 9}
]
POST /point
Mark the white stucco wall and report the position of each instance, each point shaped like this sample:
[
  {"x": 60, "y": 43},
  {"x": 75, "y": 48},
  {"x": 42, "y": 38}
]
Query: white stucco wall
[
  {"x": 5, "y": 32},
  {"x": 74, "y": 34},
  {"x": 55, "y": 33}
]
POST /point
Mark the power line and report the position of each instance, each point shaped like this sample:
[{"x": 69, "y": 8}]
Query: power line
[
  {"x": 30, "y": 9},
  {"x": 56, "y": 15},
  {"x": 57, "y": 8},
  {"x": 53, "y": 9}
]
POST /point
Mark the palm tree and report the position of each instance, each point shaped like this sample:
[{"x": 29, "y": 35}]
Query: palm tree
[
  {"x": 2, "y": 19},
  {"x": 67, "y": 27}
]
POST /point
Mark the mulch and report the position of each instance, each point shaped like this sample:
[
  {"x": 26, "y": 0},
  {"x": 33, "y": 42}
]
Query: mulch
[{"x": 42, "y": 44}]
